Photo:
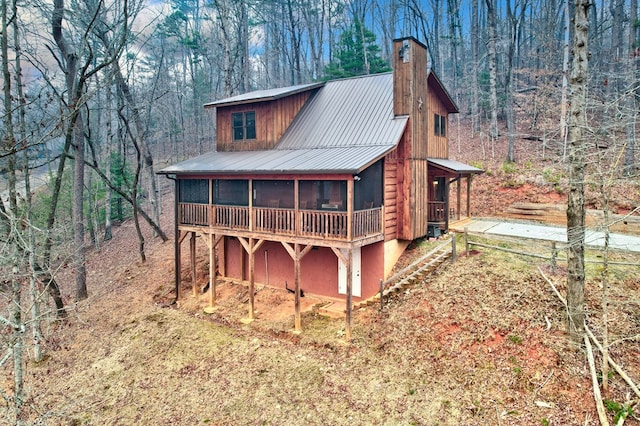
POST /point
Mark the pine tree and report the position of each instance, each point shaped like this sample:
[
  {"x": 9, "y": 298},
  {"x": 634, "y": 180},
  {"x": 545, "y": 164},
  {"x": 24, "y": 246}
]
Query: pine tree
[{"x": 357, "y": 54}]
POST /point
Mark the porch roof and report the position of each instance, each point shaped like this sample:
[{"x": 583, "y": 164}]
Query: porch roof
[
  {"x": 454, "y": 166},
  {"x": 298, "y": 161}
]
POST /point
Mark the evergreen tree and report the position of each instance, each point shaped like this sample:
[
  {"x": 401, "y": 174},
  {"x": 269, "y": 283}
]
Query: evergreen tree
[{"x": 357, "y": 54}]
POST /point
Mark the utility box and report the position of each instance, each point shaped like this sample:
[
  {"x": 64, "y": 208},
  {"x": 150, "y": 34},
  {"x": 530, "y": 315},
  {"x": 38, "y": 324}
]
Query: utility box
[{"x": 433, "y": 230}]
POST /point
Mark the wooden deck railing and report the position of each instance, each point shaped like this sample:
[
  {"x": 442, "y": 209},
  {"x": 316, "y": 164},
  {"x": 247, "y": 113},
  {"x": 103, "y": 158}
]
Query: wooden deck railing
[
  {"x": 193, "y": 214},
  {"x": 367, "y": 222},
  {"x": 317, "y": 223},
  {"x": 437, "y": 211},
  {"x": 308, "y": 223},
  {"x": 230, "y": 217},
  {"x": 277, "y": 221}
]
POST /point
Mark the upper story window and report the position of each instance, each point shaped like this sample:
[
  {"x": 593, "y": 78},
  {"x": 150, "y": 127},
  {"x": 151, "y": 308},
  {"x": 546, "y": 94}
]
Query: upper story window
[
  {"x": 440, "y": 125},
  {"x": 244, "y": 125}
]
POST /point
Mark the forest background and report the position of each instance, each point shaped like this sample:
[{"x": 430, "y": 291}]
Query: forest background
[{"x": 99, "y": 93}]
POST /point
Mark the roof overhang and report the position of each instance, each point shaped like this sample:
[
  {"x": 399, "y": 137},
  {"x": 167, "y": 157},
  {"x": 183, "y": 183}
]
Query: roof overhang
[
  {"x": 263, "y": 95},
  {"x": 453, "y": 166},
  {"x": 435, "y": 84},
  {"x": 345, "y": 160}
]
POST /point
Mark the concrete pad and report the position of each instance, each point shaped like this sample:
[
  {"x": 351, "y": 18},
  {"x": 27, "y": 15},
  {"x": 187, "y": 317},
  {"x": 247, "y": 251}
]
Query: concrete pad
[
  {"x": 551, "y": 233},
  {"x": 525, "y": 230},
  {"x": 479, "y": 225}
]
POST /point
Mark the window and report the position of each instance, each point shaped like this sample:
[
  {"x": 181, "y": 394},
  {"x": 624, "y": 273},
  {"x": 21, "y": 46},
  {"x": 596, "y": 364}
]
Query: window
[
  {"x": 244, "y": 125},
  {"x": 440, "y": 125}
]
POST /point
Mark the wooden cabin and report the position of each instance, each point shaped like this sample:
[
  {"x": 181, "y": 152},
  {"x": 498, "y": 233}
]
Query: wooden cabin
[{"x": 317, "y": 186}]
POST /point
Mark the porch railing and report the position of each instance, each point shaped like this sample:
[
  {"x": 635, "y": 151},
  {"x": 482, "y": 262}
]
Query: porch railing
[
  {"x": 278, "y": 221},
  {"x": 230, "y": 217},
  {"x": 316, "y": 223},
  {"x": 194, "y": 214},
  {"x": 437, "y": 211},
  {"x": 367, "y": 222},
  {"x": 304, "y": 223}
]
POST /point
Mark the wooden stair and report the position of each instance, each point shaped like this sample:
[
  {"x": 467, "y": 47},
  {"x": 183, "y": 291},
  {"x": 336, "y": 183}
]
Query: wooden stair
[{"x": 408, "y": 276}]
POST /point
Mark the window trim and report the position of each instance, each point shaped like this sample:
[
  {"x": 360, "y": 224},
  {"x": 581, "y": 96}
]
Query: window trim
[
  {"x": 243, "y": 122},
  {"x": 440, "y": 125}
]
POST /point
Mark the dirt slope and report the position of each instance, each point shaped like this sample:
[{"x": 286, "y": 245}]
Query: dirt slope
[{"x": 481, "y": 342}]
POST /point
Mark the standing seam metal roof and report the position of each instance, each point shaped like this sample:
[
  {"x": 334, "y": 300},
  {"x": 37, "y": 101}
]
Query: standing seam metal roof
[{"x": 343, "y": 128}]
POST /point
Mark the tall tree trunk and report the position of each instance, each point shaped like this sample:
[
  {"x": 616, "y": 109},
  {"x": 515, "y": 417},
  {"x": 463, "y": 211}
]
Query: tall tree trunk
[
  {"x": 493, "y": 68},
  {"x": 9, "y": 149},
  {"x": 575, "y": 199},
  {"x": 75, "y": 131},
  {"x": 565, "y": 74},
  {"x": 107, "y": 156},
  {"x": 475, "y": 58},
  {"x": 30, "y": 239},
  {"x": 512, "y": 29},
  {"x": 632, "y": 93},
  {"x": 78, "y": 209}
]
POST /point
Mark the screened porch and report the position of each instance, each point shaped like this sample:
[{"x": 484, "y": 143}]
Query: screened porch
[{"x": 314, "y": 209}]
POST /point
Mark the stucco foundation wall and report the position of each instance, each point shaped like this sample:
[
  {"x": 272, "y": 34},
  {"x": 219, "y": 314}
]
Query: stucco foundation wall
[
  {"x": 319, "y": 268},
  {"x": 372, "y": 269}
]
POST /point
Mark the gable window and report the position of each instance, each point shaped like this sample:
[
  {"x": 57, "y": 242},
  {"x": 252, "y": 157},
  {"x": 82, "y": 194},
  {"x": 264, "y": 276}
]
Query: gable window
[
  {"x": 244, "y": 125},
  {"x": 440, "y": 125}
]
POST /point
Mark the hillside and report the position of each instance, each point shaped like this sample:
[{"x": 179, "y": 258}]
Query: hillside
[{"x": 480, "y": 342}]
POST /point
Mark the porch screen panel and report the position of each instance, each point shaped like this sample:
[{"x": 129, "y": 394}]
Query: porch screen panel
[
  {"x": 368, "y": 190},
  {"x": 194, "y": 191},
  {"x": 273, "y": 193},
  {"x": 232, "y": 192},
  {"x": 309, "y": 194}
]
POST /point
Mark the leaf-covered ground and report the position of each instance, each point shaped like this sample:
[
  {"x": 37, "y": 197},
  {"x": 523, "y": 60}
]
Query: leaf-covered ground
[{"x": 480, "y": 342}]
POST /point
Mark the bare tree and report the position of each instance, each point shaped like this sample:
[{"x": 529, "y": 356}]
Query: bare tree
[
  {"x": 575, "y": 200},
  {"x": 492, "y": 42}
]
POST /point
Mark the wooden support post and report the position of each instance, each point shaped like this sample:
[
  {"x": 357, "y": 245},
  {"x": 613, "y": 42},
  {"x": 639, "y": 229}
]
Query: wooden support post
[
  {"x": 554, "y": 256},
  {"x": 252, "y": 267},
  {"x": 454, "y": 255},
  {"x": 349, "y": 209},
  {"x": 192, "y": 256},
  {"x": 296, "y": 255},
  {"x": 459, "y": 190},
  {"x": 349, "y": 291},
  {"x": 469, "y": 196},
  {"x": 381, "y": 296},
  {"x": 466, "y": 240},
  {"x": 212, "y": 270},
  {"x": 296, "y": 274},
  {"x": 177, "y": 264}
]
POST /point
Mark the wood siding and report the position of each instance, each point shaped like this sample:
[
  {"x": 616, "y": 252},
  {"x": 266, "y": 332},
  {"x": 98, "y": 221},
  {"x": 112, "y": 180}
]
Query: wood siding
[
  {"x": 420, "y": 198},
  {"x": 391, "y": 199},
  {"x": 272, "y": 119},
  {"x": 410, "y": 93},
  {"x": 438, "y": 146}
]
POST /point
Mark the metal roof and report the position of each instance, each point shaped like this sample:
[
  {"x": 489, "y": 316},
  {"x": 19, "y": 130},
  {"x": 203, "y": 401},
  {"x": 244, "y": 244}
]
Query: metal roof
[
  {"x": 348, "y": 112},
  {"x": 454, "y": 166},
  {"x": 263, "y": 95},
  {"x": 301, "y": 161},
  {"x": 343, "y": 128}
]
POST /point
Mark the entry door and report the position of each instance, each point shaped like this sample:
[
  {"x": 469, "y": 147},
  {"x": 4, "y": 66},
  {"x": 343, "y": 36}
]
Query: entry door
[{"x": 356, "y": 282}]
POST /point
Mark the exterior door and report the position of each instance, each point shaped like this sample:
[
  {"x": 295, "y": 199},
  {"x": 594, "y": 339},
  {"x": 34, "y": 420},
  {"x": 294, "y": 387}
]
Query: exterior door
[{"x": 356, "y": 283}]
